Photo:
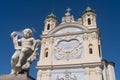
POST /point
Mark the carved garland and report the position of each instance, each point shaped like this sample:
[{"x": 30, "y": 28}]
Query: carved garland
[{"x": 74, "y": 53}]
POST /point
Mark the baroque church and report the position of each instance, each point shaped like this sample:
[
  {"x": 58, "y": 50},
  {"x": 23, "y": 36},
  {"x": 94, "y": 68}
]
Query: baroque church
[{"x": 71, "y": 50}]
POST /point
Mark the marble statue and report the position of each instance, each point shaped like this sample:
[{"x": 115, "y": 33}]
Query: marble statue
[{"x": 25, "y": 51}]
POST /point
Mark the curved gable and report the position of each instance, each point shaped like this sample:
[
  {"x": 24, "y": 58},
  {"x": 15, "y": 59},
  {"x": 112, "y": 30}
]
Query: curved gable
[{"x": 68, "y": 28}]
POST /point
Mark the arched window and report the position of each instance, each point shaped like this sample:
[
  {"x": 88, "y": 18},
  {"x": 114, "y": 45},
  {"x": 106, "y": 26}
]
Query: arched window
[
  {"x": 90, "y": 48},
  {"x": 89, "y": 21},
  {"x": 46, "y": 53},
  {"x": 48, "y": 27}
]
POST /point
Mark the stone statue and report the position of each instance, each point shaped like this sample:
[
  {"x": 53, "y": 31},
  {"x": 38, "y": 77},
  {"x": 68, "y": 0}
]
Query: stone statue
[{"x": 25, "y": 51}]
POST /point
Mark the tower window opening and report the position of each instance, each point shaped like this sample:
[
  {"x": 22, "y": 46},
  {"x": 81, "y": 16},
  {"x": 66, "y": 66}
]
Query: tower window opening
[
  {"x": 90, "y": 48},
  {"x": 46, "y": 54},
  {"x": 48, "y": 27},
  {"x": 89, "y": 21}
]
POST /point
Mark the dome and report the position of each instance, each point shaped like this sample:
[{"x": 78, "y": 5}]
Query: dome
[
  {"x": 88, "y": 9},
  {"x": 51, "y": 16}
]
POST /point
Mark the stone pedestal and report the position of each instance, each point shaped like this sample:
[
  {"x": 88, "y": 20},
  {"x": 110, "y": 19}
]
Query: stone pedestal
[{"x": 16, "y": 77}]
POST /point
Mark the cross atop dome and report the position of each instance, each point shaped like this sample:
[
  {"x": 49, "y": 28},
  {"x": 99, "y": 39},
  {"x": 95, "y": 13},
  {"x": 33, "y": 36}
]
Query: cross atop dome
[
  {"x": 68, "y": 18},
  {"x": 68, "y": 10}
]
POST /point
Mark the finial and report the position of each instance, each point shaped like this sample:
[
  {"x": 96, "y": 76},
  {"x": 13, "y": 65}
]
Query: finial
[
  {"x": 52, "y": 15},
  {"x": 52, "y": 10},
  {"x": 87, "y": 2},
  {"x": 68, "y": 10},
  {"x": 88, "y": 9}
]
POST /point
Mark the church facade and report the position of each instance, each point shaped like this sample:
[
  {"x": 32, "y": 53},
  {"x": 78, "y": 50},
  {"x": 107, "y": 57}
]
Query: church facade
[{"x": 71, "y": 50}]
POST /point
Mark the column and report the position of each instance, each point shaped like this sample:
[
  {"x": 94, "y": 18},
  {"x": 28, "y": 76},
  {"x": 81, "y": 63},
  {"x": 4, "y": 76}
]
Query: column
[
  {"x": 111, "y": 72},
  {"x": 104, "y": 72}
]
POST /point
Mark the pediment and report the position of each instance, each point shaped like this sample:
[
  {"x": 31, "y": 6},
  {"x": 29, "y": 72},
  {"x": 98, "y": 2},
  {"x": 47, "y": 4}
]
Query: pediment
[{"x": 67, "y": 28}]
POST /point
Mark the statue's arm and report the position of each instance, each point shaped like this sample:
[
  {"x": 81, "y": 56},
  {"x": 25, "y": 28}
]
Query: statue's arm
[
  {"x": 13, "y": 35},
  {"x": 19, "y": 42},
  {"x": 16, "y": 42}
]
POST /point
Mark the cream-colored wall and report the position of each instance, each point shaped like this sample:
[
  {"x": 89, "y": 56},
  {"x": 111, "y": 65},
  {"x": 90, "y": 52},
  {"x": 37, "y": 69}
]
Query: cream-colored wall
[
  {"x": 92, "y": 63},
  {"x": 89, "y": 38},
  {"x": 46, "y": 44},
  {"x": 43, "y": 75},
  {"x": 92, "y": 38}
]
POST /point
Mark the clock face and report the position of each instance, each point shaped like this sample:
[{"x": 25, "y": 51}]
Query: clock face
[{"x": 66, "y": 49}]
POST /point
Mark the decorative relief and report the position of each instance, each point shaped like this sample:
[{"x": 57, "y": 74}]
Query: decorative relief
[
  {"x": 94, "y": 35},
  {"x": 43, "y": 41},
  {"x": 85, "y": 37},
  {"x": 90, "y": 36},
  {"x": 47, "y": 41},
  {"x": 68, "y": 30},
  {"x": 70, "y": 74},
  {"x": 67, "y": 76},
  {"x": 69, "y": 47}
]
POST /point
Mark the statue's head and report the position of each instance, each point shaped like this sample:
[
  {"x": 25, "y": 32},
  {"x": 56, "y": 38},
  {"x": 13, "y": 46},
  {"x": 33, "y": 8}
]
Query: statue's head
[{"x": 27, "y": 33}]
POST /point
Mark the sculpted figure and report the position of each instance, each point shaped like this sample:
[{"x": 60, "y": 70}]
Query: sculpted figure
[{"x": 25, "y": 51}]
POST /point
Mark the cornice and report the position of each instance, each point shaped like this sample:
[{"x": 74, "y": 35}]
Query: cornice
[
  {"x": 75, "y": 33},
  {"x": 83, "y": 65}
]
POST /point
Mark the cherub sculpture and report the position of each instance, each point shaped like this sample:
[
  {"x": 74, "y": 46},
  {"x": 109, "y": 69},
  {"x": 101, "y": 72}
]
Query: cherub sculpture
[{"x": 25, "y": 51}]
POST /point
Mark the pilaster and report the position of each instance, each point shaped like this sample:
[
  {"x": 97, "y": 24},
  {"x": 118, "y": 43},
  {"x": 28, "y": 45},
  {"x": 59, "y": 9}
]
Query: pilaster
[
  {"x": 43, "y": 75},
  {"x": 87, "y": 73},
  {"x": 111, "y": 72},
  {"x": 98, "y": 73}
]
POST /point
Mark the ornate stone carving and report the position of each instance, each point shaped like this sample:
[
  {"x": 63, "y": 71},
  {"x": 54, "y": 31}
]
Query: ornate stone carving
[
  {"x": 85, "y": 37},
  {"x": 64, "y": 50},
  {"x": 43, "y": 41},
  {"x": 67, "y": 76},
  {"x": 68, "y": 17},
  {"x": 94, "y": 35},
  {"x": 25, "y": 51}
]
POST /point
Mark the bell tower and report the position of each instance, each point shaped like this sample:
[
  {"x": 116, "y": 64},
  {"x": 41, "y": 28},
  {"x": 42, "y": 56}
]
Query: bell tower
[
  {"x": 50, "y": 23},
  {"x": 89, "y": 18}
]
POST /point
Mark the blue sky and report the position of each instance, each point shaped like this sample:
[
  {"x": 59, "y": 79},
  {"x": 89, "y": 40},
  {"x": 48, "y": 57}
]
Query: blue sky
[{"x": 15, "y": 15}]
